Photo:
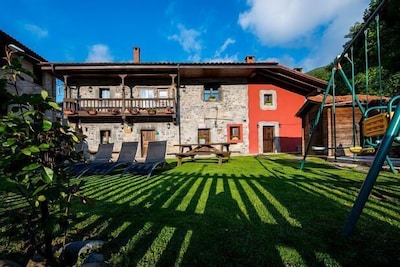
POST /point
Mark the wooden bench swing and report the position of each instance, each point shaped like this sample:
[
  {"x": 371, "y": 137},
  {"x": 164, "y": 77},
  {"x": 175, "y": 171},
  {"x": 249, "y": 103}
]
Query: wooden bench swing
[{"x": 374, "y": 126}]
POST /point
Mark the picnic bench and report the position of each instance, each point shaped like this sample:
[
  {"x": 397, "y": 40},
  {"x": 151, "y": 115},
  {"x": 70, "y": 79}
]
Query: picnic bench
[{"x": 220, "y": 150}]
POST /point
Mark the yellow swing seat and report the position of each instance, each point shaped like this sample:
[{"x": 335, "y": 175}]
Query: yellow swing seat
[
  {"x": 361, "y": 150},
  {"x": 376, "y": 125},
  {"x": 356, "y": 149}
]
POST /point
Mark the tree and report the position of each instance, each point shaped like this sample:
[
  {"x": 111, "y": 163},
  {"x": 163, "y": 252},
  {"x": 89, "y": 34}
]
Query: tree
[
  {"x": 388, "y": 76},
  {"x": 33, "y": 149}
]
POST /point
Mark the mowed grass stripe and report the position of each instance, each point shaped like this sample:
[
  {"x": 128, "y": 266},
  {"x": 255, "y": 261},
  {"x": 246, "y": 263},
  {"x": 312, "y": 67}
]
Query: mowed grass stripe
[
  {"x": 261, "y": 210},
  {"x": 157, "y": 248},
  {"x": 235, "y": 194},
  {"x": 279, "y": 207}
]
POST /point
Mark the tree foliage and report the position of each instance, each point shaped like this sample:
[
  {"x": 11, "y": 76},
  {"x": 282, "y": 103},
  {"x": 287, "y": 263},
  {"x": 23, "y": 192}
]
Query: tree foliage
[
  {"x": 370, "y": 78},
  {"x": 33, "y": 149}
]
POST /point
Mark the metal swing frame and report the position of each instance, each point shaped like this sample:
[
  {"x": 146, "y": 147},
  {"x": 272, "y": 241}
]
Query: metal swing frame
[{"x": 392, "y": 131}]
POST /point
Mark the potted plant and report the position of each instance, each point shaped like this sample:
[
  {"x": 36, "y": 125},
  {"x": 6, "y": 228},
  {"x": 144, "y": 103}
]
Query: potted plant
[
  {"x": 268, "y": 103},
  {"x": 151, "y": 111},
  {"x": 212, "y": 98},
  {"x": 114, "y": 111},
  {"x": 169, "y": 111},
  {"x": 91, "y": 111},
  {"x": 134, "y": 111},
  {"x": 69, "y": 111}
]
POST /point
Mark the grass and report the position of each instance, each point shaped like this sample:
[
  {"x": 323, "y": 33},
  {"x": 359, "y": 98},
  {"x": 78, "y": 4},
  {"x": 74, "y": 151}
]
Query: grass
[{"x": 253, "y": 211}]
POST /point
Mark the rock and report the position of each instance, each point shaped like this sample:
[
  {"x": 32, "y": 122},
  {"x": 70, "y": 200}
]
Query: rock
[{"x": 80, "y": 249}]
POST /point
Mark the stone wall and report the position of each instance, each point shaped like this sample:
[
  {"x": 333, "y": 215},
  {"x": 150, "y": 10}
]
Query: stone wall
[
  {"x": 195, "y": 114},
  {"x": 199, "y": 114}
]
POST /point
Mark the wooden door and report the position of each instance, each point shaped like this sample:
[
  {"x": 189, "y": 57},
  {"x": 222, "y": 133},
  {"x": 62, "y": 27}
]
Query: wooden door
[
  {"x": 204, "y": 137},
  {"x": 268, "y": 139},
  {"x": 147, "y": 135}
]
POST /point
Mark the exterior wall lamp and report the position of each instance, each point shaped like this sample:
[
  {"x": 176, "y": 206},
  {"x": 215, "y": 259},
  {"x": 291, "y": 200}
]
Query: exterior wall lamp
[
  {"x": 168, "y": 125},
  {"x": 90, "y": 89}
]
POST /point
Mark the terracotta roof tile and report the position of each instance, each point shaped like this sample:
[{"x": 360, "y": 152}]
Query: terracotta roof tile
[{"x": 343, "y": 99}]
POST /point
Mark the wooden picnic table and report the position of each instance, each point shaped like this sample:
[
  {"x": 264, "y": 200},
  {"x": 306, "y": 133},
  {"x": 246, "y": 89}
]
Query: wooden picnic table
[{"x": 220, "y": 150}]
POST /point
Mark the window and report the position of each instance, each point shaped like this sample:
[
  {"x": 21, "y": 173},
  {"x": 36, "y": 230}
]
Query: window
[
  {"x": 147, "y": 93},
  {"x": 235, "y": 132},
  {"x": 211, "y": 92},
  {"x": 105, "y": 136},
  {"x": 203, "y": 136},
  {"x": 162, "y": 97},
  {"x": 104, "y": 92},
  {"x": 162, "y": 93},
  {"x": 268, "y": 99}
]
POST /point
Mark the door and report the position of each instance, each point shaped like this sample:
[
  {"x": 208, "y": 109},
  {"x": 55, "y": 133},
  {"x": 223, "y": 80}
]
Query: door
[
  {"x": 268, "y": 139},
  {"x": 147, "y": 135},
  {"x": 203, "y": 137}
]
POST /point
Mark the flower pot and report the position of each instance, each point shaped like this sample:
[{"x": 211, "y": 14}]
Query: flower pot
[
  {"x": 134, "y": 112},
  {"x": 152, "y": 112},
  {"x": 69, "y": 112},
  {"x": 92, "y": 112}
]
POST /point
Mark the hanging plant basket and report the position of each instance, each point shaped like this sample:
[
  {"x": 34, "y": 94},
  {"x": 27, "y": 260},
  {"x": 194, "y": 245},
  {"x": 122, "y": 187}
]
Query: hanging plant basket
[
  {"x": 69, "y": 112},
  {"x": 92, "y": 112},
  {"x": 169, "y": 111},
  {"x": 114, "y": 111},
  {"x": 134, "y": 111},
  {"x": 152, "y": 111}
]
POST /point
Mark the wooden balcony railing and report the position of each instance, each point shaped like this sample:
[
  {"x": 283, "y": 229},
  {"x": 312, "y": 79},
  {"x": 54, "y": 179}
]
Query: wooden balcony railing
[{"x": 107, "y": 105}]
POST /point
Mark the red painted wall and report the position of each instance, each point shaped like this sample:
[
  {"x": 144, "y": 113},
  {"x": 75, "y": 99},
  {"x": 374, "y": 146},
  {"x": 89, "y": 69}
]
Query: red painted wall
[{"x": 288, "y": 104}]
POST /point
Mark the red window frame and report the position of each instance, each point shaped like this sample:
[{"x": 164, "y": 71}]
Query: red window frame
[{"x": 229, "y": 131}]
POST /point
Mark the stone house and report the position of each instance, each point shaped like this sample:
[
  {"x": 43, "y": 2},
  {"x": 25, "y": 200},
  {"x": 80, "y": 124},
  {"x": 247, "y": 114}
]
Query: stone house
[
  {"x": 30, "y": 61},
  {"x": 250, "y": 104}
]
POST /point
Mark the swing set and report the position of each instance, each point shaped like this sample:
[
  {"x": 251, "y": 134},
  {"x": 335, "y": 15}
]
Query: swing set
[
  {"x": 380, "y": 124},
  {"x": 374, "y": 125}
]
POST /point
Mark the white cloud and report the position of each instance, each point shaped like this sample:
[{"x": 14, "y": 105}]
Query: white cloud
[
  {"x": 99, "y": 53},
  {"x": 319, "y": 26},
  {"x": 285, "y": 60},
  {"x": 224, "y": 46},
  {"x": 36, "y": 30},
  {"x": 189, "y": 40},
  {"x": 226, "y": 58}
]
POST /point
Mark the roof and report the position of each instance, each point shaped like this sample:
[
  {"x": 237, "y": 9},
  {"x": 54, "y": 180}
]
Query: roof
[
  {"x": 342, "y": 100},
  {"x": 6, "y": 40},
  {"x": 188, "y": 73}
]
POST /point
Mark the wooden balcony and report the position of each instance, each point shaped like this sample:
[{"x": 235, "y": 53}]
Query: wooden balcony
[{"x": 117, "y": 110}]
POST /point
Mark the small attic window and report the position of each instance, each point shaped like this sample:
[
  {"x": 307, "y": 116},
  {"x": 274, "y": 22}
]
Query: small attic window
[
  {"x": 211, "y": 92},
  {"x": 268, "y": 100}
]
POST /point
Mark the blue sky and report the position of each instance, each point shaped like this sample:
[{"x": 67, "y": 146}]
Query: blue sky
[{"x": 295, "y": 33}]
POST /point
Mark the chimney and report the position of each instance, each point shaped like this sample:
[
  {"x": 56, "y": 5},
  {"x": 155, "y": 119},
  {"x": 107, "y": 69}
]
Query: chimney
[
  {"x": 298, "y": 69},
  {"x": 136, "y": 55},
  {"x": 249, "y": 59}
]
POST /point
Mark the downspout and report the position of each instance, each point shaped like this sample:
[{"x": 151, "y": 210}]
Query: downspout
[{"x": 178, "y": 106}]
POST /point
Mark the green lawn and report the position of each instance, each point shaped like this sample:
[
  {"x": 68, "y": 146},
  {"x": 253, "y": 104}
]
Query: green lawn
[{"x": 253, "y": 211}]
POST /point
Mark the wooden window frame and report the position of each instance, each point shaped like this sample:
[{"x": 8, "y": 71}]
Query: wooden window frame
[
  {"x": 102, "y": 90},
  {"x": 105, "y": 134},
  {"x": 211, "y": 89},
  {"x": 230, "y": 137}
]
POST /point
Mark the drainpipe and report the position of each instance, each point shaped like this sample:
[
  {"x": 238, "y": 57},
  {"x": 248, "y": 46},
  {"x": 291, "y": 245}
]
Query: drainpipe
[{"x": 178, "y": 105}]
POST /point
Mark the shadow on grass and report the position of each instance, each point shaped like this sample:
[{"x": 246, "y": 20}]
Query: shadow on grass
[{"x": 267, "y": 213}]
